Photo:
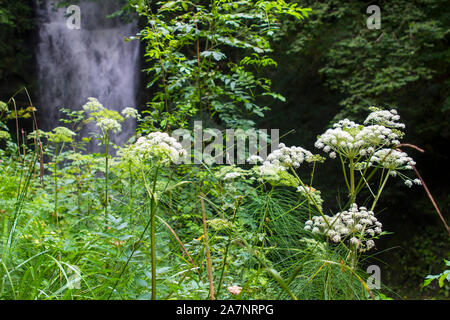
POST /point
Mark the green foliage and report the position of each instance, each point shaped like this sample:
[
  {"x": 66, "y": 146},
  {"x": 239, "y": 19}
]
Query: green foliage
[
  {"x": 92, "y": 226},
  {"x": 95, "y": 226},
  {"x": 15, "y": 24},
  {"x": 445, "y": 275},
  {"x": 373, "y": 67},
  {"x": 206, "y": 58}
]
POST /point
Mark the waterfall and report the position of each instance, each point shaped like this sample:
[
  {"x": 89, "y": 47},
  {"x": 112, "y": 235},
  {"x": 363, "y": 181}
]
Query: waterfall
[{"x": 93, "y": 61}]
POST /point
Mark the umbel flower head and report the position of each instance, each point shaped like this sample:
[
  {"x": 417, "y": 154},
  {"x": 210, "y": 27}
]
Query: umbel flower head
[
  {"x": 392, "y": 159},
  {"x": 93, "y": 105},
  {"x": 158, "y": 146},
  {"x": 61, "y": 134},
  {"x": 275, "y": 168},
  {"x": 255, "y": 159},
  {"x": 130, "y": 113},
  {"x": 286, "y": 157},
  {"x": 231, "y": 175},
  {"x": 109, "y": 125},
  {"x": 352, "y": 140},
  {"x": 387, "y": 118},
  {"x": 235, "y": 290},
  {"x": 107, "y": 120},
  {"x": 358, "y": 225}
]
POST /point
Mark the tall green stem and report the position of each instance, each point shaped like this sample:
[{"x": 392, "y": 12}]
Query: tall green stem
[
  {"x": 151, "y": 224},
  {"x": 55, "y": 174},
  {"x": 352, "y": 181},
  {"x": 222, "y": 273},
  {"x": 106, "y": 175},
  {"x": 379, "y": 192},
  {"x": 153, "y": 208}
]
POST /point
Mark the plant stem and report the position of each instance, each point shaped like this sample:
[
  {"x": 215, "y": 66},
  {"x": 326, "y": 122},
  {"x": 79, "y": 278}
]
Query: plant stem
[
  {"x": 226, "y": 252},
  {"x": 55, "y": 210},
  {"x": 379, "y": 192},
  {"x": 153, "y": 208},
  {"x": 153, "y": 249},
  {"x": 352, "y": 181},
  {"x": 153, "y": 205},
  {"x": 208, "y": 255},
  {"x": 106, "y": 176}
]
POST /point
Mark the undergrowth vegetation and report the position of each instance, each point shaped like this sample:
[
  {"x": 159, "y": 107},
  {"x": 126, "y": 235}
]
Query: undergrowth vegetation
[
  {"x": 143, "y": 223},
  {"x": 82, "y": 217}
]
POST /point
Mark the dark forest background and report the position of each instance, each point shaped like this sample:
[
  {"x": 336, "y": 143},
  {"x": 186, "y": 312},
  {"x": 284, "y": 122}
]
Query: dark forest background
[{"x": 332, "y": 65}]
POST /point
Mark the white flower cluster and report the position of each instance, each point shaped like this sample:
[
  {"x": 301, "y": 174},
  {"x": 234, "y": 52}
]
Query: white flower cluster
[
  {"x": 392, "y": 159},
  {"x": 345, "y": 124},
  {"x": 107, "y": 120},
  {"x": 385, "y": 118},
  {"x": 354, "y": 141},
  {"x": 360, "y": 225},
  {"x": 286, "y": 157},
  {"x": 93, "y": 105},
  {"x": 409, "y": 183},
  {"x": 350, "y": 139},
  {"x": 377, "y": 135},
  {"x": 130, "y": 113},
  {"x": 231, "y": 175},
  {"x": 109, "y": 125},
  {"x": 61, "y": 134},
  {"x": 156, "y": 145},
  {"x": 269, "y": 170},
  {"x": 254, "y": 159}
]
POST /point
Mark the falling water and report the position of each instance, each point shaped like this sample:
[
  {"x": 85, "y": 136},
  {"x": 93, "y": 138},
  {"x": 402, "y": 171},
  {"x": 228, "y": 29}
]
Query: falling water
[{"x": 93, "y": 61}]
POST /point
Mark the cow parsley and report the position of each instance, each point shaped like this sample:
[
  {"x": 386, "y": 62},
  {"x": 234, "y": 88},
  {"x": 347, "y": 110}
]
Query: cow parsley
[
  {"x": 392, "y": 159},
  {"x": 287, "y": 157},
  {"x": 352, "y": 140},
  {"x": 93, "y": 105},
  {"x": 130, "y": 113},
  {"x": 109, "y": 125},
  {"x": 61, "y": 134},
  {"x": 385, "y": 118},
  {"x": 231, "y": 175},
  {"x": 155, "y": 146},
  {"x": 357, "y": 224},
  {"x": 254, "y": 159}
]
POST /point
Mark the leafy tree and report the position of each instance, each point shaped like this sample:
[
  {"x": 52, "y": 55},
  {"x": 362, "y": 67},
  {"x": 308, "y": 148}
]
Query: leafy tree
[
  {"x": 387, "y": 66},
  {"x": 334, "y": 62},
  {"x": 206, "y": 57}
]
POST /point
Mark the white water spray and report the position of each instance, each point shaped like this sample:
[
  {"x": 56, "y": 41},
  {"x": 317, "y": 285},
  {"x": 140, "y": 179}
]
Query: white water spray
[{"x": 92, "y": 61}]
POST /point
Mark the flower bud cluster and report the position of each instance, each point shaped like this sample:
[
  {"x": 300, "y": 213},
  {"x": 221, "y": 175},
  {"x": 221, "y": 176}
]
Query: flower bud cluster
[
  {"x": 357, "y": 224},
  {"x": 351, "y": 140},
  {"x": 155, "y": 145},
  {"x": 287, "y": 157},
  {"x": 387, "y": 118},
  {"x": 392, "y": 159}
]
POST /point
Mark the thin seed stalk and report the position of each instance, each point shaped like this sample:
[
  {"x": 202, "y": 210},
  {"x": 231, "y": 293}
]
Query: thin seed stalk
[
  {"x": 208, "y": 254},
  {"x": 106, "y": 175},
  {"x": 379, "y": 192},
  {"x": 153, "y": 208}
]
